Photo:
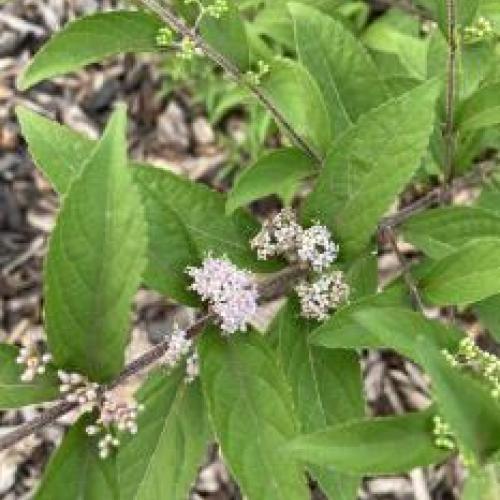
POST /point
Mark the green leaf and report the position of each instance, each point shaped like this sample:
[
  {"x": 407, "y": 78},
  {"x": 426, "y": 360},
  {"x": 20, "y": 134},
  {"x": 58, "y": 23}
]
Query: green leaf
[
  {"x": 252, "y": 414},
  {"x": 162, "y": 459},
  {"x": 409, "y": 48},
  {"x": 90, "y": 39},
  {"x": 274, "y": 22},
  {"x": 370, "y": 165},
  {"x": 466, "y": 403},
  {"x": 470, "y": 274},
  {"x": 326, "y": 387},
  {"x": 344, "y": 71},
  {"x": 481, "y": 109},
  {"x": 342, "y": 331},
  {"x": 490, "y": 198},
  {"x": 483, "y": 484},
  {"x": 174, "y": 208},
  {"x": 95, "y": 261},
  {"x": 393, "y": 328},
  {"x": 488, "y": 312},
  {"x": 57, "y": 151},
  {"x": 227, "y": 35},
  {"x": 362, "y": 277},
  {"x": 278, "y": 172},
  {"x": 292, "y": 90},
  {"x": 442, "y": 231},
  {"x": 186, "y": 221},
  {"x": 13, "y": 392},
  {"x": 373, "y": 446},
  {"x": 77, "y": 471}
]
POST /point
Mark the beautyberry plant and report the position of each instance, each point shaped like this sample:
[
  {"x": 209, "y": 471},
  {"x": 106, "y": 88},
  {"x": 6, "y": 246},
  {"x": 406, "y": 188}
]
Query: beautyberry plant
[{"x": 382, "y": 125}]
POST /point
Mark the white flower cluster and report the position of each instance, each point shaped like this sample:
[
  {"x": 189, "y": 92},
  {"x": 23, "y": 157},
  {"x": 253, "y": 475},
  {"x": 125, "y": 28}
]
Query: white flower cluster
[
  {"x": 116, "y": 413},
  {"x": 282, "y": 235},
  {"x": 178, "y": 347},
  {"x": 35, "y": 363},
  {"x": 279, "y": 236},
  {"x": 78, "y": 389},
  {"x": 230, "y": 292},
  {"x": 181, "y": 346},
  {"x": 319, "y": 297},
  {"x": 485, "y": 364},
  {"x": 316, "y": 248}
]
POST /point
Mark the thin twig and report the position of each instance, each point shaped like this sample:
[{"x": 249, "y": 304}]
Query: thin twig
[
  {"x": 440, "y": 194},
  {"x": 47, "y": 417},
  {"x": 405, "y": 268},
  {"x": 450, "y": 92},
  {"x": 180, "y": 27}
]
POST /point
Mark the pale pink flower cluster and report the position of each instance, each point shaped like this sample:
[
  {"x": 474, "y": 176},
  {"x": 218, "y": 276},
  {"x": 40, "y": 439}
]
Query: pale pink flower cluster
[
  {"x": 230, "y": 292},
  {"x": 282, "y": 235},
  {"x": 179, "y": 347},
  {"x": 116, "y": 413},
  {"x": 319, "y": 297}
]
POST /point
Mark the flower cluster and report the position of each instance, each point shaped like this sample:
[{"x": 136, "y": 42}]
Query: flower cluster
[
  {"x": 282, "y": 235},
  {"x": 479, "y": 31},
  {"x": 443, "y": 436},
  {"x": 78, "y": 389},
  {"x": 178, "y": 347},
  {"x": 229, "y": 291},
  {"x": 485, "y": 364},
  {"x": 116, "y": 413},
  {"x": 279, "y": 236},
  {"x": 319, "y": 297},
  {"x": 181, "y": 346},
  {"x": 35, "y": 362},
  {"x": 316, "y": 248}
]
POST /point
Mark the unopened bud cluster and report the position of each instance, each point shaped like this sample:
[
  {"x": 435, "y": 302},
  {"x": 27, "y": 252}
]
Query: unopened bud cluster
[
  {"x": 481, "y": 30},
  {"x": 322, "y": 295},
  {"x": 443, "y": 436},
  {"x": 181, "y": 346},
  {"x": 187, "y": 46},
  {"x": 484, "y": 364},
  {"x": 34, "y": 362},
  {"x": 164, "y": 37},
  {"x": 230, "y": 292},
  {"x": 283, "y": 236},
  {"x": 255, "y": 77},
  {"x": 114, "y": 414}
]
